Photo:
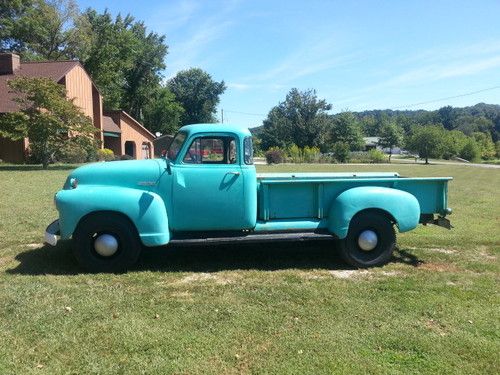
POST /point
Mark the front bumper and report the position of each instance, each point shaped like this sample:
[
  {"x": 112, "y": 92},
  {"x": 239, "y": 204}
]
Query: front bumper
[{"x": 52, "y": 233}]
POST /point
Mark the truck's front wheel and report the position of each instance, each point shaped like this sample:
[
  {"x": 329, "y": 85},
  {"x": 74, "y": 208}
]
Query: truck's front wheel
[
  {"x": 370, "y": 241},
  {"x": 106, "y": 242}
]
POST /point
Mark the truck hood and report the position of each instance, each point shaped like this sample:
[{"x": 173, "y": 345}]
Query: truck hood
[{"x": 137, "y": 174}]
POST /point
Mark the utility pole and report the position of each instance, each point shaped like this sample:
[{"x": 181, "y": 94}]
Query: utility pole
[{"x": 222, "y": 114}]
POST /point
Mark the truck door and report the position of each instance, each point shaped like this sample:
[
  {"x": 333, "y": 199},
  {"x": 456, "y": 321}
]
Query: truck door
[{"x": 208, "y": 186}]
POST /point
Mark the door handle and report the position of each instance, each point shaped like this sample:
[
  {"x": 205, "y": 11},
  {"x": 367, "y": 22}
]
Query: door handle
[{"x": 235, "y": 173}]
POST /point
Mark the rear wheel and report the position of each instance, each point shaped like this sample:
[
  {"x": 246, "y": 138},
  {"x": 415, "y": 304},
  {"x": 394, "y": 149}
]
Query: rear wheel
[
  {"x": 106, "y": 242},
  {"x": 370, "y": 241}
]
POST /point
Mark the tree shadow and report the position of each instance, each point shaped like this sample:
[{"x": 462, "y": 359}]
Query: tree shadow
[{"x": 58, "y": 260}]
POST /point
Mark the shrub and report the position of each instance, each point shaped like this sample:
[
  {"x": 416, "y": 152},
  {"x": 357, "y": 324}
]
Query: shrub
[
  {"x": 71, "y": 152},
  {"x": 105, "y": 154},
  {"x": 294, "y": 154},
  {"x": 311, "y": 154},
  {"x": 470, "y": 151},
  {"x": 274, "y": 155},
  {"x": 125, "y": 157},
  {"x": 340, "y": 151},
  {"x": 376, "y": 156}
]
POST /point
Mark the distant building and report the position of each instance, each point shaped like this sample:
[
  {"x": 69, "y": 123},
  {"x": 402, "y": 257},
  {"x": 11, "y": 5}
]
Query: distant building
[
  {"x": 126, "y": 136},
  {"x": 371, "y": 143}
]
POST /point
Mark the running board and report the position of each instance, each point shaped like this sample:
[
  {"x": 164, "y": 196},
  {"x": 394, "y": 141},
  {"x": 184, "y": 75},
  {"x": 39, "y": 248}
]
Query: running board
[{"x": 251, "y": 238}]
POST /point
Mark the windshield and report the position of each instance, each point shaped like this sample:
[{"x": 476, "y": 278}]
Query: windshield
[{"x": 176, "y": 145}]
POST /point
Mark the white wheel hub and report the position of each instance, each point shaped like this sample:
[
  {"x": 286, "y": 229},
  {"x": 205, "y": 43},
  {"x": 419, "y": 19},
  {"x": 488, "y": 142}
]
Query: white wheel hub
[
  {"x": 367, "y": 240},
  {"x": 106, "y": 245}
]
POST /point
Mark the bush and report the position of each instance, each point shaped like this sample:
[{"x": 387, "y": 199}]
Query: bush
[
  {"x": 294, "y": 154},
  {"x": 376, "y": 156},
  {"x": 125, "y": 157},
  {"x": 470, "y": 151},
  {"x": 105, "y": 154},
  {"x": 340, "y": 151},
  {"x": 274, "y": 155},
  {"x": 311, "y": 154},
  {"x": 71, "y": 152}
]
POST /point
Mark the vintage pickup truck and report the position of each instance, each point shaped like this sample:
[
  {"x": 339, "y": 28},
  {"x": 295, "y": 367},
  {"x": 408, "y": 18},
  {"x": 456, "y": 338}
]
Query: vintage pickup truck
[{"x": 206, "y": 190}]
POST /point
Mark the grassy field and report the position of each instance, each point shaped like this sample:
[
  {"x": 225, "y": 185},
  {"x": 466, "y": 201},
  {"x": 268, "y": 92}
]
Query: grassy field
[{"x": 291, "y": 309}]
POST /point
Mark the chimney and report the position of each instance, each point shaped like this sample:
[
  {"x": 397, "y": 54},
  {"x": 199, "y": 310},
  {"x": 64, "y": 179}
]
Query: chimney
[{"x": 9, "y": 63}]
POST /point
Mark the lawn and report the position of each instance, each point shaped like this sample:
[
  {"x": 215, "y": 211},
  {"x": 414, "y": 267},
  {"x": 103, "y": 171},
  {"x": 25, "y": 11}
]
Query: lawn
[{"x": 291, "y": 309}]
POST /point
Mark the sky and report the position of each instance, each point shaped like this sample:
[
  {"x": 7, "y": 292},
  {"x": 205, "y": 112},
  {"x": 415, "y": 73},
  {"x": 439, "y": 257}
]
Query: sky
[{"x": 357, "y": 55}]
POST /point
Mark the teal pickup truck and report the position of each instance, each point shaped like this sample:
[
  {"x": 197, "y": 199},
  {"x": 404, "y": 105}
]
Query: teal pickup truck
[{"x": 206, "y": 190}]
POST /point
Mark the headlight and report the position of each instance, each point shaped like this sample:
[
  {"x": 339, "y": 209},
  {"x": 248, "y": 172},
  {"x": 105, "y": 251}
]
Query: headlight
[{"x": 73, "y": 183}]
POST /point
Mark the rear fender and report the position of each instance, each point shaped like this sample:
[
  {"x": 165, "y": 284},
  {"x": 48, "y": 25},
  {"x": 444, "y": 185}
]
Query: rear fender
[
  {"x": 403, "y": 207},
  {"x": 146, "y": 210}
]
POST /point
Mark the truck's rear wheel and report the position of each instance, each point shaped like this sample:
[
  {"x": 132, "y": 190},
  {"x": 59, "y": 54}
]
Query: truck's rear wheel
[
  {"x": 106, "y": 242},
  {"x": 370, "y": 241}
]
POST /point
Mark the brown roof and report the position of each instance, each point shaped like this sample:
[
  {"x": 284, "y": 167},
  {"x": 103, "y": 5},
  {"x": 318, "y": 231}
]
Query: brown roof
[
  {"x": 108, "y": 125},
  {"x": 134, "y": 121},
  {"x": 55, "y": 70}
]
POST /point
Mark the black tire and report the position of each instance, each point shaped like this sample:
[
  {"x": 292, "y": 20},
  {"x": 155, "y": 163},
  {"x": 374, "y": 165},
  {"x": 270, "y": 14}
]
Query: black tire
[
  {"x": 386, "y": 236},
  {"x": 90, "y": 227}
]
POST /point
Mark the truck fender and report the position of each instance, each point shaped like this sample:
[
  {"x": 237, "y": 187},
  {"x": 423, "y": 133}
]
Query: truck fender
[
  {"x": 145, "y": 209},
  {"x": 401, "y": 206}
]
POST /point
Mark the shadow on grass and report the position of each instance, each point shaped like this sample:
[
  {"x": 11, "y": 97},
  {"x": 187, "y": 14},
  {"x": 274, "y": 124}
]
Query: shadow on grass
[
  {"x": 34, "y": 167},
  {"x": 48, "y": 260}
]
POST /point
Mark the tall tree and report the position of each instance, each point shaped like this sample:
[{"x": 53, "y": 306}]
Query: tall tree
[
  {"x": 41, "y": 29},
  {"x": 391, "y": 135},
  {"x": 198, "y": 94},
  {"x": 163, "y": 113},
  {"x": 347, "y": 129},
  {"x": 46, "y": 117},
  {"x": 301, "y": 119},
  {"x": 427, "y": 141}
]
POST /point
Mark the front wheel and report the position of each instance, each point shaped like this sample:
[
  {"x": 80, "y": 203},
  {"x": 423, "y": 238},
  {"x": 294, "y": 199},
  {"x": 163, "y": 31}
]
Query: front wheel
[
  {"x": 106, "y": 242},
  {"x": 370, "y": 241}
]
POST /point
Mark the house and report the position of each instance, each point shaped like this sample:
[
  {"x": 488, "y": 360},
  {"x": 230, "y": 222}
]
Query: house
[
  {"x": 126, "y": 136},
  {"x": 371, "y": 143}
]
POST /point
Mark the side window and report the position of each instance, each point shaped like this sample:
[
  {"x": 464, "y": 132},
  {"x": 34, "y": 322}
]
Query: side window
[
  {"x": 248, "y": 149},
  {"x": 212, "y": 150}
]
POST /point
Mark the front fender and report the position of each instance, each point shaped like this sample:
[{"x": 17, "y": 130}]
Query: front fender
[
  {"x": 402, "y": 206},
  {"x": 145, "y": 209}
]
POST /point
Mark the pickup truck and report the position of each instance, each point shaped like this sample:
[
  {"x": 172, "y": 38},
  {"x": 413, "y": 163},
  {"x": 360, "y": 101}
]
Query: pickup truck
[{"x": 206, "y": 190}]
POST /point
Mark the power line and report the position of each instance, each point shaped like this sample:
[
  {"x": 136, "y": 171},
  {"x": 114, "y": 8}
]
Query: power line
[
  {"x": 447, "y": 98},
  {"x": 398, "y": 107}
]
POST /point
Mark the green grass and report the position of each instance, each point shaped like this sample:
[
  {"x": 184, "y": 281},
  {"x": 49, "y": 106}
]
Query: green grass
[{"x": 293, "y": 309}]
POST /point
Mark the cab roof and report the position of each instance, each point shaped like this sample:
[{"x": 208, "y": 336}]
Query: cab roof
[{"x": 239, "y": 130}]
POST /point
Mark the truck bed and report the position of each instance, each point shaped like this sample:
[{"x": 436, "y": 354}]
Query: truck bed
[{"x": 293, "y": 196}]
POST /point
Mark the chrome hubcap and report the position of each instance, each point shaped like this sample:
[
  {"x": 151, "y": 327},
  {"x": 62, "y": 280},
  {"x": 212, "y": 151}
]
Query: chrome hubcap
[
  {"x": 106, "y": 245},
  {"x": 367, "y": 240}
]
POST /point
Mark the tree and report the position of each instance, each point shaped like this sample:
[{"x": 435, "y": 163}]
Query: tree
[
  {"x": 124, "y": 60},
  {"x": 427, "y": 141},
  {"x": 470, "y": 150},
  {"x": 301, "y": 119},
  {"x": 163, "y": 113},
  {"x": 486, "y": 145},
  {"x": 41, "y": 29},
  {"x": 46, "y": 117},
  {"x": 347, "y": 129},
  {"x": 198, "y": 94},
  {"x": 391, "y": 135}
]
